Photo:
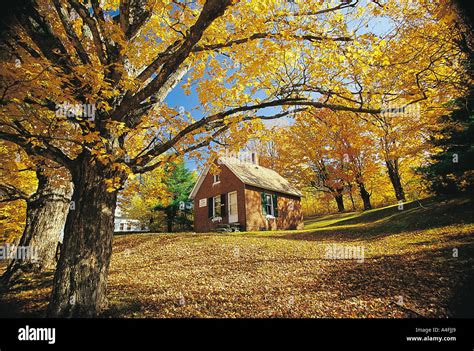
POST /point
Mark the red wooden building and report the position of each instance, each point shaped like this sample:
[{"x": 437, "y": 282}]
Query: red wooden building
[{"x": 245, "y": 194}]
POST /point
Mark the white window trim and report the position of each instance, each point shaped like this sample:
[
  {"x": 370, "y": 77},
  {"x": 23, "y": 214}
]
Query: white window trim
[
  {"x": 214, "y": 177},
  {"x": 272, "y": 205},
  {"x": 214, "y": 206},
  {"x": 236, "y": 205}
]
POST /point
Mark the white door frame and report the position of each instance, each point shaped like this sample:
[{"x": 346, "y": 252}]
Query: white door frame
[{"x": 236, "y": 207}]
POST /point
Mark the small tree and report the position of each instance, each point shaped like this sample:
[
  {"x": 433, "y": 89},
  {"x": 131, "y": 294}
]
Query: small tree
[{"x": 179, "y": 185}]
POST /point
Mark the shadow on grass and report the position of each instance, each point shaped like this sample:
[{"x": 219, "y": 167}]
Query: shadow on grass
[
  {"x": 14, "y": 306},
  {"x": 462, "y": 303},
  {"x": 418, "y": 215},
  {"x": 431, "y": 283}
]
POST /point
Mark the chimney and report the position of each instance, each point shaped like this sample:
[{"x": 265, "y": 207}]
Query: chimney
[{"x": 254, "y": 158}]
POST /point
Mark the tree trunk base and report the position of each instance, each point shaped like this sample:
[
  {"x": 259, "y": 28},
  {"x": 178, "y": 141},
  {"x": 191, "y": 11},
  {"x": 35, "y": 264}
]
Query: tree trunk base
[
  {"x": 80, "y": 281},
  {"x": 45, "y": 217}
]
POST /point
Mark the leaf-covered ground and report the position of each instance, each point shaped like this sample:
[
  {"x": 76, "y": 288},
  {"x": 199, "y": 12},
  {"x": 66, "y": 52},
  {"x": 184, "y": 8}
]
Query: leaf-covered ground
[{"x": 417, "y": 262}]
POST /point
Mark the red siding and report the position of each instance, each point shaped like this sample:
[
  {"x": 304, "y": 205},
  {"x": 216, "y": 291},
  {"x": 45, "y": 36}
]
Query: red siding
[
  {"x": 249, "y": 204},
  {"x": 228, "y": 183},
  {"x": 287, "y": 218}
]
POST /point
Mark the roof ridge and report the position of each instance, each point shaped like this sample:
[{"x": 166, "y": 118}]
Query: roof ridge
[
  {"x": 287, "y": 187},
  {"x": 258, "y": 176},
  {"x": 249, "y": 163}
]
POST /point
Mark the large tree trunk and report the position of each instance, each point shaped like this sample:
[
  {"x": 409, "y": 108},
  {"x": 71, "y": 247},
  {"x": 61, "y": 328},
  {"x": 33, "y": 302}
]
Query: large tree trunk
[
  {"x": 46, "y": 213},
  {"x": 351, "y": 197},
  {"x": 364, "y": 195},
  {"x": 339, "y": 201},
  {"x": 80, "y": 282},
  {"x": 394, "y": 174}
]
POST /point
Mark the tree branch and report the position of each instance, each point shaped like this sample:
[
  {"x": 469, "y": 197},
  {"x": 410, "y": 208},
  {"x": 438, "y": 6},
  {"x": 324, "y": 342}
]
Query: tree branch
[
  {"x": 11, "y": 193},
  {"x": 212, "y": 10},
  {"x": 81, "y": 52},
  {"x": 51, "y": 152}
]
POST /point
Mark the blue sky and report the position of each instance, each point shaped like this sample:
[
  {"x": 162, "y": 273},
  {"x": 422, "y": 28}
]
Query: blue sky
[{"x": 178, "y": 98}]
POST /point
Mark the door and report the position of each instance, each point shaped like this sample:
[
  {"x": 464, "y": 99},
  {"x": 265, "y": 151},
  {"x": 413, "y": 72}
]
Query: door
[{"x": 233, "y": 211}]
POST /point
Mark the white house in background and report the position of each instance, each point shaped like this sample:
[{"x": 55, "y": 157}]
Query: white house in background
[{"x": 124, "y": 224}]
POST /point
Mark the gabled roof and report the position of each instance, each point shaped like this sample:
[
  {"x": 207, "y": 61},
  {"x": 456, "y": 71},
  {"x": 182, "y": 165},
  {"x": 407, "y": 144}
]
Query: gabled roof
[{"x": 252, "y": 174}]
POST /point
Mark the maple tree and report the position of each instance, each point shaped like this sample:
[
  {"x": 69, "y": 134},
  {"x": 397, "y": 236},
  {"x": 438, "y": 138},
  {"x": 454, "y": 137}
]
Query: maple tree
[
  {"x": 45, "y": 190},
  {"x": 154, "y": 198},
  {"x": 326, "y": 152},
  {"x": 114, "y": 63},
  {"x": 18, "y": 182},
  {"x": 141, "y": 194},
  {"x": 411, "y": 71}
]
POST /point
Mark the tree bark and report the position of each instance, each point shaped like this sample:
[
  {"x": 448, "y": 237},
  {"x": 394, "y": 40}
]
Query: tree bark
[
  {"x": 351, "y": 197},
  {"x": 365, "y": 196},
  {"x": 169, "y": 220},
  {"x": 170, "y": 212},
  {"x": 339, "y": 201},
  {"x": 80, "y": 282},
  {"x": 394, "y": 174},
  {"x": 46, "y": 213}
]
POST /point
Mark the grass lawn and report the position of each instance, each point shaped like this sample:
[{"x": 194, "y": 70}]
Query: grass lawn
[{"x": 409, "y": 269}]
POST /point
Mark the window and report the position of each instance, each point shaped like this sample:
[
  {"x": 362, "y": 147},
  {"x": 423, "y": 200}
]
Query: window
[
  {"x": 121, "y": 227},
  {"x": 217, "y": 206},
  {"x": 270, "y": 204},
  {"x": 270, "y": 209},
  {"x": 217, "y": 178}
]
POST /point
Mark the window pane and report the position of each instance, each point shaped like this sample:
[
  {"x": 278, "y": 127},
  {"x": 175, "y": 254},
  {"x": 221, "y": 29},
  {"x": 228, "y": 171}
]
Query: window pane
[
  {"x": 217, "y": 206},
  {"x": 269, "y": 205}
]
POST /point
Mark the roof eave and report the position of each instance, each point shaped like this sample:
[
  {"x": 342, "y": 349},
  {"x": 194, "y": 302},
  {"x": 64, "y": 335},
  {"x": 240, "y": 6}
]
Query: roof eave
[{"x": 275, "y": 190}]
